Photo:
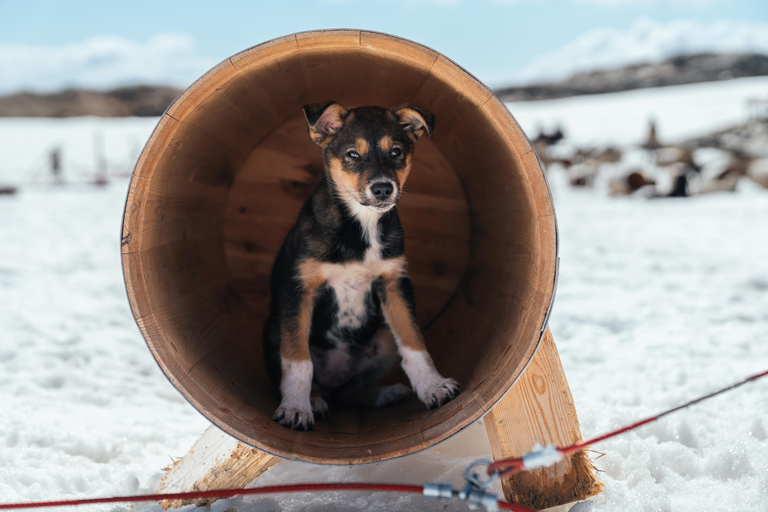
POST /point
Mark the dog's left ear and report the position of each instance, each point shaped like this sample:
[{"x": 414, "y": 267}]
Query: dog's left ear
[
  {"x": 415, "y": 120},
  {"x": 324, "y": 120}
]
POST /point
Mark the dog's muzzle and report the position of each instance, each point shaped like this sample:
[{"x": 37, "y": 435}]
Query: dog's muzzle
[{"x": 382, "y": 195}]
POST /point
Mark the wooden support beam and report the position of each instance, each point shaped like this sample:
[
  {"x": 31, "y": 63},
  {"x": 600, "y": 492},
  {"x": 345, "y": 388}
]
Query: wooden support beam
[
  {"x": 216, "y": 461},
  {"x": 539, "y": 409}
]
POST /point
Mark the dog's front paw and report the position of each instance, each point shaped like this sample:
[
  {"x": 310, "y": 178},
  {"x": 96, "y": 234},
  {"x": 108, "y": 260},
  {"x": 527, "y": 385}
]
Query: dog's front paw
[
  {"x": 439, "y": 393},
  {"x": 292, "y": 417}
]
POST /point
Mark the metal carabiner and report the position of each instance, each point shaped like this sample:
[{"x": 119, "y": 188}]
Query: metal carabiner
[{"x": 475, "y": 479}]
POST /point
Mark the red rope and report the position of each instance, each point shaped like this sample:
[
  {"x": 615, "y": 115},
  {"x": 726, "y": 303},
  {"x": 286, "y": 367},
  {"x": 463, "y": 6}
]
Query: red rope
[
  {"x": 227, "y": 493},
  {"x": 504, "y": 467},
  {"x": 508, "y": 467}
]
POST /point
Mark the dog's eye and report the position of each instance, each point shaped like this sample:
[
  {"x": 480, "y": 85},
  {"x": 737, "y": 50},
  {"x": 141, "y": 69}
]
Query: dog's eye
[
  {"x": 352, "y": 154},
  {"x": 395, "y": 152}
]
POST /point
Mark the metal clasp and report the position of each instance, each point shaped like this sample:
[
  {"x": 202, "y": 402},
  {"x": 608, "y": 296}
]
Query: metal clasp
[
  {"x": 473, "y": 477},
  {"x": 474, "y": 491}
]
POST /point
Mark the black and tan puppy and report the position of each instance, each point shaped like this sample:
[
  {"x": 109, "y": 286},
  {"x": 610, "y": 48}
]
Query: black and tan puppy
[{"x": 342, "y": 311}]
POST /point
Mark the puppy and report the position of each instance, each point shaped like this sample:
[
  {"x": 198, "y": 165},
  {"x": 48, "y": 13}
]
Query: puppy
[{"x": 342, "y": 305}]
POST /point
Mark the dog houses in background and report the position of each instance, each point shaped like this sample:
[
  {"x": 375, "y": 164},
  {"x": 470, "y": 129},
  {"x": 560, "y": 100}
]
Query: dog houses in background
[{"x": 222, "y": 179}]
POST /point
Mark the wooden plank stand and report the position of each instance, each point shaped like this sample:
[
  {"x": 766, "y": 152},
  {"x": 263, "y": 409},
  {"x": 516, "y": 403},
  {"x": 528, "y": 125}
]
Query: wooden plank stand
[{"x": 538, "y": 409}]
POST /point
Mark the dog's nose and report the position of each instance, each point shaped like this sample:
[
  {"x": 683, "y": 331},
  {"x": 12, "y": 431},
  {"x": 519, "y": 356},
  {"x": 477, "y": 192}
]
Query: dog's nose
[{"x": 382, "y": 190}]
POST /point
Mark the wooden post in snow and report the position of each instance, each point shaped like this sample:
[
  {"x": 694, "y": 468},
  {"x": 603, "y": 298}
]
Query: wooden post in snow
[
  {"x": 539, "y": 409},
  {"x": 216, "y": 461}
]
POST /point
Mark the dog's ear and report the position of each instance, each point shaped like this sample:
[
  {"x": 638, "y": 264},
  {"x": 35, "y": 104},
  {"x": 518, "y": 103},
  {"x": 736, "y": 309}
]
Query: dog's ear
[
  {"x": 324, "y": 120},
  {"x": 415, "y": 120}
]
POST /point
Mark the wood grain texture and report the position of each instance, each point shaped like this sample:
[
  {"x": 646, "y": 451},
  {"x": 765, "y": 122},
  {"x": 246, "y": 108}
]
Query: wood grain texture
[
  {"x": 539, "y": 409},
  {"x": 216, "y": 461},
  {"x": 220, "y": 183}
]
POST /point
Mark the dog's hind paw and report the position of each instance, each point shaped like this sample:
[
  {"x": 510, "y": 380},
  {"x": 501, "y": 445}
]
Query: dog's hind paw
[
  {"x": 297, "y": 419},
  {"x": 319, "y": 407},
  {"x": 392, "y": 395},
  {"x": 440, "y": 393}
]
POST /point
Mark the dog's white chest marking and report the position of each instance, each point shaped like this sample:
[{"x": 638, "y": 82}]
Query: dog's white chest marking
[
  {"x": 351, "y": 290},
  {"x": 352, "y": 285},
  {"x": 351, "y": 281},
  {"x": 369, "y": 220}
]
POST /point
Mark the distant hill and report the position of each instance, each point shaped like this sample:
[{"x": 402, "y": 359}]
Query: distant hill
[
  {"x": 140, "y": 100},
  {"x": 146, "y": 100},
  {"x": 684, "y": 69}
]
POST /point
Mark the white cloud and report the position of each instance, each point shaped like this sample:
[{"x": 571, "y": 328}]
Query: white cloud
[
  {"x": 645, "y": 41},
  {"x": 101, "y": 62}
]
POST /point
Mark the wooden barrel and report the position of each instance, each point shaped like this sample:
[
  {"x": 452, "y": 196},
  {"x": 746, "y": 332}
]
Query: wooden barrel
[{"x": 221, "y": 181}]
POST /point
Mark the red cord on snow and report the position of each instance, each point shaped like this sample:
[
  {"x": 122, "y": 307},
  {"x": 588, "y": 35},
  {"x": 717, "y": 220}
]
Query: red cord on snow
[
  {"x": 227, "y": 493},
  {"x": 540, "y": 457},
  {"x": 545, "y": 456}
]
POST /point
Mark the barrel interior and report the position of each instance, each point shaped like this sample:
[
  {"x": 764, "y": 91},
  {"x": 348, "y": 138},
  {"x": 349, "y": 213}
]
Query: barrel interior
[{"x": 221, "y": 182}]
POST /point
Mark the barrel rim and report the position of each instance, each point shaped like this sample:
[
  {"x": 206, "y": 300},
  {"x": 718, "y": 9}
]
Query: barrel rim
[{"x": 498, "y": 108}]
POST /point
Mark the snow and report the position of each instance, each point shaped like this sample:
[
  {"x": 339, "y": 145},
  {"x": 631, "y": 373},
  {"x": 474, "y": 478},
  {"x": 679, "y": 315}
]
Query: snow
[
  {"x": 622, "y": 118},
  {"x": 84, "y": 410},
  {"x": 659, "y": 301},
  {"x": 27, "y": 142}
]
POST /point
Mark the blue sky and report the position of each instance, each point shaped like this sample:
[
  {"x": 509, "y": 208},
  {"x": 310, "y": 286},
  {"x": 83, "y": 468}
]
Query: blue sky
[{"x": 49, "y": 44}]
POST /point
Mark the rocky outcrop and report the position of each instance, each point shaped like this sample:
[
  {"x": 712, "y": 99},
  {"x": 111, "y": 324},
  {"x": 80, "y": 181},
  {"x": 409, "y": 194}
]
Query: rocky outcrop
[
  {"x": 127, "y": 101},
  {"x": 684, "y": 69}
]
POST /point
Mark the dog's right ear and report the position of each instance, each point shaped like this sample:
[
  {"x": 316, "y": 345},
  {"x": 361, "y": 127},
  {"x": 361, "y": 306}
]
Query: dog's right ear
[{"x": 324, "y": 120}]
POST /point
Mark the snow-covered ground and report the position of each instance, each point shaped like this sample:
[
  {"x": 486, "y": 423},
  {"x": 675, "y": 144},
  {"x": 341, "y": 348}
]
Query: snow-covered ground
[
  {"x": 659, "y": 301},
  {"x": 622, "y": 118},
  {"x": 26, "y": 145}
]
